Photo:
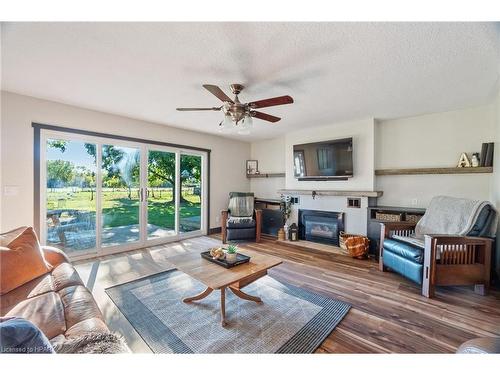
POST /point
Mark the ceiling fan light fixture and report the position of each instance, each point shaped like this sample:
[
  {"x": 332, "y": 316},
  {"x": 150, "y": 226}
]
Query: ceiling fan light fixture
[
  {"x": 246, "y": 125},
  {"x": 238, "y": 115},
  {"x": 228, "y": 121},
  {"x": 226, "y": 124},
  {"x": 249, "y": 120}
]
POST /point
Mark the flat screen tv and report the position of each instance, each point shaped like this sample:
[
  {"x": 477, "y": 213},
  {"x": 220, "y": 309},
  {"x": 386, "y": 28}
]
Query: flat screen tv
[{"x": 323, "y": 160}]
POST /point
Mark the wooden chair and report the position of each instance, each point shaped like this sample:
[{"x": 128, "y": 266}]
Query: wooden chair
[
  {"x": 447, "y": 260},
  {"x": 247, "y": 229}
]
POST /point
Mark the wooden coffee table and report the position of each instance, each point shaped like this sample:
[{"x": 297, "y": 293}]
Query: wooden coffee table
[{"x": 217, "y": 277}]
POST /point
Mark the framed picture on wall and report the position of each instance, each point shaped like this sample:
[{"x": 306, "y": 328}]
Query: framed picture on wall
[{"x": 252, "y": 167}]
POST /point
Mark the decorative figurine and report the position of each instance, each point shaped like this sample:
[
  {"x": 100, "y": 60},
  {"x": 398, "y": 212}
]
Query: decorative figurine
[
  {"x": 464, "y": 161},
  {"x": 475, "y": 159},
  {"x": 217, "y": 253}
]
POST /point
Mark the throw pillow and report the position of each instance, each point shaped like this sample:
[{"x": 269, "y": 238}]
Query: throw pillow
[
  {"x": 19, "y": 335},
  {"x": 21, "y": 261},
  {"x": 7, "y": 237}
]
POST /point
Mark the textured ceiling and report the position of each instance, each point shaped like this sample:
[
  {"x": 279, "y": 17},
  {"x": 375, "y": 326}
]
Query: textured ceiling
[{"x": 334, "y": 71}]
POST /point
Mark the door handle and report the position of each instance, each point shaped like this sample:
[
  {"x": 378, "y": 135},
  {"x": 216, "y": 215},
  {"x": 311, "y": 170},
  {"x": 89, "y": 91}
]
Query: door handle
[{"x": 142, "y": 194}]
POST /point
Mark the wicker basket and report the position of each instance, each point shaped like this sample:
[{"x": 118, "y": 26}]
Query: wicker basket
[
  {"x": 342, "y": 237},
  {"x": 386, "y": 216},
  {"x": 413, "y": 218},
  {"x": 357, "y": 246}
]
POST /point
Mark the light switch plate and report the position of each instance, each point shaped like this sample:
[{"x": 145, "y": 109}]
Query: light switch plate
[{"x": 10, "y": 191}]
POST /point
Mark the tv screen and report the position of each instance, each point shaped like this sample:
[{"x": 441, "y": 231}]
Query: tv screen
[{"x": 328, "y": 159}]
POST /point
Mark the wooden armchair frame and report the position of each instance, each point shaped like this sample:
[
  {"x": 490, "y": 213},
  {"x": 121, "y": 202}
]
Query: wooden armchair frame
[
  {"x": 463, "y": 260},
  {"x": 258, "y": 224}
]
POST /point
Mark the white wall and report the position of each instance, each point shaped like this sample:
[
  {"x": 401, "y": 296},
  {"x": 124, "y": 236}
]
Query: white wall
[
  {"x": 1, "y": 29},
  {"x": 362, "y": 133},
  {"x": 276, "y": 155},
  {"x": 434, "y": 140},
  {"x": 18, "y": 112},
  {"x": 271, "y": 157}
]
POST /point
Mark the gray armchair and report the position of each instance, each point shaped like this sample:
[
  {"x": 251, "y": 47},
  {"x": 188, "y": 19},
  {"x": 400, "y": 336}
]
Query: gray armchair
[{"x": 241, "y": 221}]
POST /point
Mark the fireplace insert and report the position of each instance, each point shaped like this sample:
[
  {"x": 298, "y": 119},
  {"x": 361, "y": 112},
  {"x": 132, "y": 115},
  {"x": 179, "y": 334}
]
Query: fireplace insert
[{"x": 321, "y": 226}]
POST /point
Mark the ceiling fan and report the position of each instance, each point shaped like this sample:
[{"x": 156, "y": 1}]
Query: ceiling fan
[{"x": 239, "y": 115}]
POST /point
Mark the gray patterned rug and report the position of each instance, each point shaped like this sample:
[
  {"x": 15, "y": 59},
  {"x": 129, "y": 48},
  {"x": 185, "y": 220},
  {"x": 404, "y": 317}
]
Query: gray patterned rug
[{"x": 291, "y": 319}]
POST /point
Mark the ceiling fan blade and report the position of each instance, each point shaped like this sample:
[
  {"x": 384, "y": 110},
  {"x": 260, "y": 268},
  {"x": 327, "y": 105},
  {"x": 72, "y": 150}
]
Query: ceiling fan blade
[
  {"x": 265, "y": 116},
  {"x": 199, "y": 109},
  {"x": 279, "y": 100},
  {"x": 216, "y": 90}
]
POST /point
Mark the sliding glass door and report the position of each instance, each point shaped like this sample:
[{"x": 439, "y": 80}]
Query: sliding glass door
[
  {"x": 70, "y": 195},
  {"x": 161, "y": 202},
  {"x": 120, "y": 195},
  {"x": 190, "y": 197},
  {"x": 100, "y": 196}
]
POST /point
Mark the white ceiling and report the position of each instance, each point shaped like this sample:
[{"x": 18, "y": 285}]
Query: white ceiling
[{"x": 334, "y": 71}]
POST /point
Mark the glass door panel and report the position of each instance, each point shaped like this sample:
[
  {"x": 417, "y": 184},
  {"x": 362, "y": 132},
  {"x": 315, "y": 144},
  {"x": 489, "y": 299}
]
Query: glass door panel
[
  {"x": 70, "y": 195},
  {"x": 121, "y": 195},
  {"x": 160, "y": 194},
  {"x": 190, "y": 193},
  {"x": 102, "y": 196}
]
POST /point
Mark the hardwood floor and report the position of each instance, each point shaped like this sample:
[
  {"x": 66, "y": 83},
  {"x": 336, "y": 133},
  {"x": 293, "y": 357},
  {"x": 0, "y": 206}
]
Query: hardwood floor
[{"x": 388, "y": 313}]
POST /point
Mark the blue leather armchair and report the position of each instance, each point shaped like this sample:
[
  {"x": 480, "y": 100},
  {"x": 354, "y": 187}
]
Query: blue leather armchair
[{"x": 444, "y": 259}]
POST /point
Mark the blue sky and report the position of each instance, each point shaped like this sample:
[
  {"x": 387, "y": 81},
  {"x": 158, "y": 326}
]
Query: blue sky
[{"x": 75, "y": 152}]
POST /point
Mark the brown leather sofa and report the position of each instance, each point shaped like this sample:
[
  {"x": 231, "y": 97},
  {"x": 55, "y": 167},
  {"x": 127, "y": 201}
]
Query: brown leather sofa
[{"x": 57, "y": 302}]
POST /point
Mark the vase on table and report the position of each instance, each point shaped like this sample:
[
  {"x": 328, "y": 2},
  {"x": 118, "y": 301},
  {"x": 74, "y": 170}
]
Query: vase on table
[
  {"x": 231, "y": 257},
  {"x": 281, "y": 234}
]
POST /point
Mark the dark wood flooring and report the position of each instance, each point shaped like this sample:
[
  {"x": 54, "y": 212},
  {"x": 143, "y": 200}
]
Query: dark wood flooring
[{"x": 388, "y": 313}]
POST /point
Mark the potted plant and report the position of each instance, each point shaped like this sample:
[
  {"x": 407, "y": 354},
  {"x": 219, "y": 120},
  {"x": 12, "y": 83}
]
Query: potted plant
[
  {"x": 231, "y": 253},
  {"x": 286, "y": 211}
]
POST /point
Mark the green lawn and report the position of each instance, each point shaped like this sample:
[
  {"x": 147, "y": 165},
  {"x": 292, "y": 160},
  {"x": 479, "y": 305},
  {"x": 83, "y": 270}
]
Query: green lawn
[{"x": 119, "y": 210}]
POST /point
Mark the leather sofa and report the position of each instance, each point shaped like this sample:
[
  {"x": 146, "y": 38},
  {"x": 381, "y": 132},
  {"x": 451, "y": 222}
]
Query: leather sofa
[{"x": 57, "y": 302}]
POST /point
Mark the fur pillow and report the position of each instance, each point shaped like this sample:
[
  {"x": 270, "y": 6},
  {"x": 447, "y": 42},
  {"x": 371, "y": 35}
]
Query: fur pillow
[
  {"x": 93, "y": 343},
  {"x": 21, "y": 261}
]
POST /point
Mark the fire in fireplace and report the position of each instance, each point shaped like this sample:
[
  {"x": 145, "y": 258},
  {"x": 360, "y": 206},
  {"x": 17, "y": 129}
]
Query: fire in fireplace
[{"x": 321, "y": 226}]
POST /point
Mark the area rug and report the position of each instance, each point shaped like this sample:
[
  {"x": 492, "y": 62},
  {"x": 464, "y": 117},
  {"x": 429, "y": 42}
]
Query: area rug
[{"x": 291, "y": 319}]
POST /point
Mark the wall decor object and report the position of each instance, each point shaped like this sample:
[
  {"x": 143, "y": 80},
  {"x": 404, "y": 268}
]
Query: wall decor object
[
  {"x": 488, "y": 162},
  {"x": 252, "y": 167},
  {"x": 464, "y": 161},
  {"x": 475, "y": 160},
  {"x": 482, "y": 158}
]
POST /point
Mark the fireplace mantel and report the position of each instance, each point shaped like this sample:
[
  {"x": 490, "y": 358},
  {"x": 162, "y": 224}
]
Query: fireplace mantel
[{"x": 334, "y": 193}]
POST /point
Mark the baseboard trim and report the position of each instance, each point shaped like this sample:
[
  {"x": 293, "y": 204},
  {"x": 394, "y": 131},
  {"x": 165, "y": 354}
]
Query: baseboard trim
[{"x": 214, "y": 230}]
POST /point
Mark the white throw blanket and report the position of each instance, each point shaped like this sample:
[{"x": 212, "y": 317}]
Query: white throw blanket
[
  {"x": 449, "y": 216},
  {"x": 453, "y": 216}
]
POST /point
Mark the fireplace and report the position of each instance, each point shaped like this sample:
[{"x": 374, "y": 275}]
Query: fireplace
[{"x": 321, "y": 226}]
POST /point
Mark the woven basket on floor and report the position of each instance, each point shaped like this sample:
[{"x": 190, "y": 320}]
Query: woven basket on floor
[
  {"x": 342, "y": 237},
  {"x": 357, "y": 246}
]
